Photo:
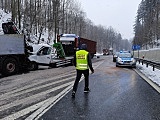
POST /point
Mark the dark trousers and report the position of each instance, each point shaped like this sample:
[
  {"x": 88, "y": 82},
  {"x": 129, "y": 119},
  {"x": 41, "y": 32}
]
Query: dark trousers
[{"x": 78, "y": 77}]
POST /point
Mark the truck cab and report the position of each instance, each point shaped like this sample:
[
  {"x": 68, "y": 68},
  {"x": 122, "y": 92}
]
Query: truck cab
[{"x": 72, "y": 42}]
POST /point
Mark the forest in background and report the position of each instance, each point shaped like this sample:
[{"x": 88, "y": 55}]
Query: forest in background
[
  {"x": 147, "y": 24},
  {"x": 36, "y": 17}
]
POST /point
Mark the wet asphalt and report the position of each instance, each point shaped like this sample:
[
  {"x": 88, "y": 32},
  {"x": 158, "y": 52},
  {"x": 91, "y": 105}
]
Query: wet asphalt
[{"x": 116, "y": 94}]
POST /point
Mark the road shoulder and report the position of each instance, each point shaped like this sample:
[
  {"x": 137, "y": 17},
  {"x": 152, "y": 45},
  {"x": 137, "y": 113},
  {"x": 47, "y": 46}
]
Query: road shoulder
[{"x": 149, "y": 81}]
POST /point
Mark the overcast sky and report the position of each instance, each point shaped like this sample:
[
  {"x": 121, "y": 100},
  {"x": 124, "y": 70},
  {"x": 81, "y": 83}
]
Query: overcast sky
[{"x": 120, "y": 14}]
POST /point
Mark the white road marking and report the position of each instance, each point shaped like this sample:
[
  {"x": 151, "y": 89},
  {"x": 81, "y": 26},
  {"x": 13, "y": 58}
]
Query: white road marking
[
  {"x": 36, "y": 115},
  {"x": 97, "y": 64},
  {"x": 31, "y": 85},
  {"x": 32, "y": 89},
  {"x": 18, "y": 102},
  {"x": 36, "y": 106}
]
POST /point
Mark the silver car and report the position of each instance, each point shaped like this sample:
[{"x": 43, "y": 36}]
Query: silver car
[
  {"x": 125, "y": 59},
  {"x": 115, "y": 55}
]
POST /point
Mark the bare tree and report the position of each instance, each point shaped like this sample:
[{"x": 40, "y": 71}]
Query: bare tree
[
  {"x": 147, "y": 23},
  {"x": 56, "y": 17}
]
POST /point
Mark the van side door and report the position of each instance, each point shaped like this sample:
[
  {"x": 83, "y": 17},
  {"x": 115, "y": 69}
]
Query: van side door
[{"x": 44, "y": 55}]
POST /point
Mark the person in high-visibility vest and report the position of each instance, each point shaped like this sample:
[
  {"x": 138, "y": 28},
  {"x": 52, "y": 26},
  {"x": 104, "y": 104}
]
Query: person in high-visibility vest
[{"x": 82, "y": 62}]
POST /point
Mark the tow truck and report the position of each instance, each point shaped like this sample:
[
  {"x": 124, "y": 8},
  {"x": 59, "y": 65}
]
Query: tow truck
[
  {"x": 60, "y": 53},
  {"x": 16, "y": 54},
  {"x": 46, "y": 55}
]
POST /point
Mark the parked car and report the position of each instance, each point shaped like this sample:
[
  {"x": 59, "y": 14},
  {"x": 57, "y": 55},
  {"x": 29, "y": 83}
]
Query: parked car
[
  {"x": 125, "y": 59},
  {"x": 97, "y": 55},
  {"x": 115, "y": 55}
]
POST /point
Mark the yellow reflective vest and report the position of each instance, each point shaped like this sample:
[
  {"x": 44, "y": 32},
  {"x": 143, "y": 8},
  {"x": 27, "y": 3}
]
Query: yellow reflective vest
[{"x": 82, "y": 60}]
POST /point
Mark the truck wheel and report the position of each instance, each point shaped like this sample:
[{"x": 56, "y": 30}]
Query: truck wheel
[
  {"x": 10, "y": 67},
  {"x": 33, "y": 66}
]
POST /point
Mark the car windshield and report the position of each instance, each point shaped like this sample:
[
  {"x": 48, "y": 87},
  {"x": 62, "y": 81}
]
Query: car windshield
[{"x": 126, "y": 55}]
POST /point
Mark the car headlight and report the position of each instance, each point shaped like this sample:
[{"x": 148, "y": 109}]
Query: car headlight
[
  {"x": 119, "y": 60},
  {"x": 133, "y": 60}
]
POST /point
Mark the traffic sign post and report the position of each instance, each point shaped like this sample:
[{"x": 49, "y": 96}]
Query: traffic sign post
[{"x": 136, "y": 47}]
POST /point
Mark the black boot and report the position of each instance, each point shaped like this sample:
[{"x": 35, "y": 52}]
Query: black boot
[
  {"x": 73, "y": 94},
  {"x": 86, "y": 90}
]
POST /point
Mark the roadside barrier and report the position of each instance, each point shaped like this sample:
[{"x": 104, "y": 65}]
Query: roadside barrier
[
  {"x": 149, "y": 57},
  {"x": 150, "y": 63}
]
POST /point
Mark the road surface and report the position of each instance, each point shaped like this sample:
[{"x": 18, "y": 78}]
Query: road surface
[{"x": 116, "y": 94}]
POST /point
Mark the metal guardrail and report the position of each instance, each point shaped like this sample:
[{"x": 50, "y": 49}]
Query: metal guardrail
[{"x": 147, "y": 62}]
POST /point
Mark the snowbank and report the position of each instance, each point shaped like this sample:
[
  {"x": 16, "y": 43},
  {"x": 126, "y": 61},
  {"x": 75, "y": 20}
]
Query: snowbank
[{"x": 148, "y": 71}]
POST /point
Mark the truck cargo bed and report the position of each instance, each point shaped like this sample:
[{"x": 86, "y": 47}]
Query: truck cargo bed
[{"x": 12, "y": 44}]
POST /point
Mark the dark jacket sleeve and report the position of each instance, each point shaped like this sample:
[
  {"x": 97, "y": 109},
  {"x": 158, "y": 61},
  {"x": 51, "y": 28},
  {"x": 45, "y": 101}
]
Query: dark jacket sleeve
[{"x": 90, "y": 63}]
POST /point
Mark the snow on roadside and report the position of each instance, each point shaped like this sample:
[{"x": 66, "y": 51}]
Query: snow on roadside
[
  {"x": 148, "y": 72},
  {"x": 4, "y": 17}
]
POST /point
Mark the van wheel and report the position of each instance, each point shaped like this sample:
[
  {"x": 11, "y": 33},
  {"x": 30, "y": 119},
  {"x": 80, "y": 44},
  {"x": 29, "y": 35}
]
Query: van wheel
[
  {"x": 53, "y": 65},
  {"x": 33, "y": 66},
  {"x": 9, "y": 67}
]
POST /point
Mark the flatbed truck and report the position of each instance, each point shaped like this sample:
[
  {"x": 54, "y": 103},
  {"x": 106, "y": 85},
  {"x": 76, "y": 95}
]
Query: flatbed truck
[{"x": 13, "y": 50}]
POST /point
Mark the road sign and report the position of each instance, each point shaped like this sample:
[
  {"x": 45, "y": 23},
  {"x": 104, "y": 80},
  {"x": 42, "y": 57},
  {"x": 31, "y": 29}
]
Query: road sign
[{"x": 136, "y": 47}]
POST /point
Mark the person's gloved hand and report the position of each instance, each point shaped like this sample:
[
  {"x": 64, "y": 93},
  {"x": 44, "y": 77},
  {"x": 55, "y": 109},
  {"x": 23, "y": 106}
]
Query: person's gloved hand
[{"x": 92, "y": 71}]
